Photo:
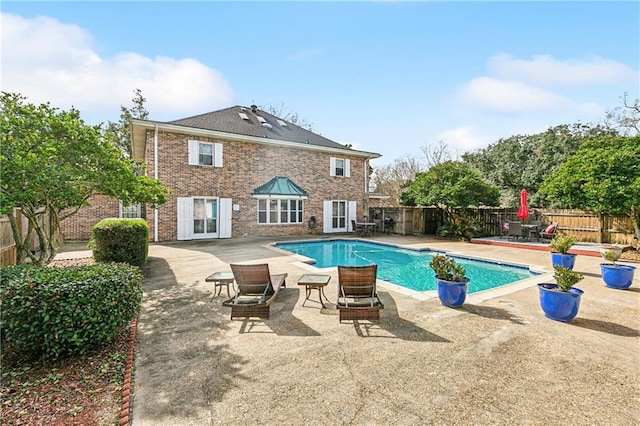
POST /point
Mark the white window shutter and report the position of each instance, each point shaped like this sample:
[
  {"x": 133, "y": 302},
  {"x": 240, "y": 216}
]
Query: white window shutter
[
  {"x": 332, "y": 166},
  {"x": 194, "y": 155},
  {"x": 327, "y": 214},
  {"x": 217, "y": 155},
  {"x": 347, "y": 168},
  {"x": 224, "y": 218},
  {"x": 185, "y": 218},
  {"x": 352, "y": 210}
]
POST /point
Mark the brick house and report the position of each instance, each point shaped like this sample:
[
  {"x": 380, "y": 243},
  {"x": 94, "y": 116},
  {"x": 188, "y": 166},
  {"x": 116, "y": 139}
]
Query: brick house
[{"x": 240, "y": 172}]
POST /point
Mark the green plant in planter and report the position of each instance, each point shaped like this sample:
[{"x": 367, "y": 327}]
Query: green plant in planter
[
  {"x": 611, "y": 256},
  {"x": 566, "y": 278},
  {"x": 447, "y": 269},
  {"x": 562, "y": 243}
]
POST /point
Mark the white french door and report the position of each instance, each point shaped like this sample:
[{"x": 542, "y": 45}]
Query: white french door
[
  {"x": 337, "y": 215},
  {"x": 204, "y": 217}
]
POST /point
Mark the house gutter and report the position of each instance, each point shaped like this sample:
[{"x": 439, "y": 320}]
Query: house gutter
[{"x": 155, "y": 176}]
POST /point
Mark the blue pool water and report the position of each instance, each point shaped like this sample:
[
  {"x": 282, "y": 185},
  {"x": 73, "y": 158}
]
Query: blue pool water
[{"x": 404, "y": 267}]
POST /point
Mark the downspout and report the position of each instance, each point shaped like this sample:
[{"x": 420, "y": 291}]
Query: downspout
[{"x": 155, "y": 176}]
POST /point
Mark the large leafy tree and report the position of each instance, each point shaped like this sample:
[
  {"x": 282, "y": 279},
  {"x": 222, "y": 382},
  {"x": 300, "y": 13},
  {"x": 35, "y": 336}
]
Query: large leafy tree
[
  {"x": 450, "y": 185},
  {"x": 51, "y": 162},
  {"x": 523, "y": 161},
  {"x": 603, "y": 176}
]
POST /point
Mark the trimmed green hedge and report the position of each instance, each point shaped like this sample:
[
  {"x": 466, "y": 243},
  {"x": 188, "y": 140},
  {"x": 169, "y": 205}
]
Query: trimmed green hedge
[
  {"x": 56, "y": 312},
  {"x": 120, "y": 240}
]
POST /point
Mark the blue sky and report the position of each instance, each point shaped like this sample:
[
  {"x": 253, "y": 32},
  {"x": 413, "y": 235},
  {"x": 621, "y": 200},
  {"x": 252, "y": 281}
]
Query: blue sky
[{"x": 387, "y": 77}]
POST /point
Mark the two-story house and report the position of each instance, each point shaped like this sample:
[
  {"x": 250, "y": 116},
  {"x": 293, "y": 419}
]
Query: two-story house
[{"x": 241, "y": 172}]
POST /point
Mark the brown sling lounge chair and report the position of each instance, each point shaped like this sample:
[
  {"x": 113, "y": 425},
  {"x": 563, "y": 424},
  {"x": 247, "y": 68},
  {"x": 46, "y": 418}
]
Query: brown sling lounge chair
[
  {"x": 257, "y": 289},
  {"x": 357, "y": 295}
]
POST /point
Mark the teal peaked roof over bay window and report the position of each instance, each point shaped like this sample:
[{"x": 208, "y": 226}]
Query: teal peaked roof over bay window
[{"x": 280, "y": 187}]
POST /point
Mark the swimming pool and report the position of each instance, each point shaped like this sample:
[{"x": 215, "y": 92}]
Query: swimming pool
[{"x": 404, "y": 267}]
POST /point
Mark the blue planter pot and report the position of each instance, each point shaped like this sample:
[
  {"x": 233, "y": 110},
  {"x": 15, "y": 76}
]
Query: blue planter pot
[
  {"x": 564, "y": 260},
  {"x": 559, "y": 305},
  {"x": 617, "y": 276},
  {"x": 452, "y": 293}
]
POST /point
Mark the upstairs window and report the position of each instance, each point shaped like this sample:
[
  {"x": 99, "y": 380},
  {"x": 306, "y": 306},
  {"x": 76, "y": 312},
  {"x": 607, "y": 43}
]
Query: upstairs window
[
  {"x": 340, "y": 167},
  {"x": 205, "y": 153}
]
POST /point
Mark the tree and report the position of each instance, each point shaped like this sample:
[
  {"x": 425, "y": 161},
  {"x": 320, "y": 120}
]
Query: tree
[
  {"x": 436, "y": 154},
  {"x": 449, "y": 185},
  {"x": 523, "y": 161},
  {"x": 391, "y": 178},
  {"x": 626, "y": 117},
  {"x": 603, "y": 176},
  {"x": 51, "y": 162},
  {"x": 121, "y": 131},
  {"x": 290, "y": 116}
]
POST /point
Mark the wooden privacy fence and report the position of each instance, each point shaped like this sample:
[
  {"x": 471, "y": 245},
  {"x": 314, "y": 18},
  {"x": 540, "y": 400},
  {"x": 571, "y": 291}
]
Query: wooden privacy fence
[
  {"x": 7, "y": 244},
  {"x": 8, "y": 255},
  {"x": 584, "y": 226}
]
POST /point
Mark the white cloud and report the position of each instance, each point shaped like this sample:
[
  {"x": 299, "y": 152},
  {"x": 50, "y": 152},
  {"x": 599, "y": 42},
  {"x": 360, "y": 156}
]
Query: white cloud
[
  {"x": 49, "y": 61},
  {"x": 463, "y": 139},
  {"x": 510, "y": 96},
  {"x": 541, "y": 84},
  {"x": 547, "y": 71}
]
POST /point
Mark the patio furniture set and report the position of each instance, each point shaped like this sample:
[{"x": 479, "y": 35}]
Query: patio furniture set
[
  {"x": 256, "y": 289},
  {"x": 515, "y": 230}
]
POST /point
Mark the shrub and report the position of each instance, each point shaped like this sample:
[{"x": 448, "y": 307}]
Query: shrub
[
  {"x": 120, "y": 240},
  {"x": 460, "y": 227},
  {"x": 56, "y": 312},
  {"x": 447, "y": 269},
  {"x": 566, "y": 278},
  {"x": 562, "y": 243}
]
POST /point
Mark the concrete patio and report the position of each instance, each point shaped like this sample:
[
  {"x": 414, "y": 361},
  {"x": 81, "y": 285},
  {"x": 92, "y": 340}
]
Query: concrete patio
[{"x": 496, "y": 360}]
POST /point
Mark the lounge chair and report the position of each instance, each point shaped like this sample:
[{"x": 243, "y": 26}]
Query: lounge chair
[
  {"x": 357, "y": 295},
  {"x": 549, "y": 232},
  {"x": 257, "y": 289}
]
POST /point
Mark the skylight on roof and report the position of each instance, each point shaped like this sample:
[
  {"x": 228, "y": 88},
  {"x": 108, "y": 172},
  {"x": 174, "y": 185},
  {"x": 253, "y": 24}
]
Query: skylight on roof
[
  {"x": 243, "y": 115},
  {"x": 282, "y": 123},
  {"x": 261, "y": 119},
  {"x": 267, "y": 125}
]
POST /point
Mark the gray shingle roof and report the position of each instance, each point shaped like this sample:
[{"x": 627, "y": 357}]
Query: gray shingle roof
[{"x": 229, "y": 120}]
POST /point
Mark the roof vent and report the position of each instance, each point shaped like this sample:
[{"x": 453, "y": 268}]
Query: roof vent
[
  {"x": 243, "y": 116},
  {"x": 261, "y": 119},
  {"x": 267, "y": 125},
  {"x": 282, "y": 123},
  {"x": 254, "y": 108},
  {"x": 243, "y": 109}
]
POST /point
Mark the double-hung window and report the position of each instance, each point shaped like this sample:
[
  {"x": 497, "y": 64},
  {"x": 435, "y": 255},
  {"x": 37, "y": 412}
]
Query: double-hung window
[
  {"x": 340, "y": 167},
  {"x": 205, "y": 153},
  {"x": 280, "y": 211},
  {"x": 130, "y": 211}
]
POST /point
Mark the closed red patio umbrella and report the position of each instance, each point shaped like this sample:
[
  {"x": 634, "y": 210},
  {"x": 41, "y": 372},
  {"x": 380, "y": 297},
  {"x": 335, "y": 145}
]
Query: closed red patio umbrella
[{"x": 523, "y": 211}]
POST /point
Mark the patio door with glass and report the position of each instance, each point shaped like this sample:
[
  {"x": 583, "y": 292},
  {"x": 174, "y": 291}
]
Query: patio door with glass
[
  {"x": 204, "y": 217},
  {"x": 338, "y": 215}
]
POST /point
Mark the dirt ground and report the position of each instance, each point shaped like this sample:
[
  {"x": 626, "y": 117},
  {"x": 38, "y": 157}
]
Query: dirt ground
[{"x": 496, "y": 360}]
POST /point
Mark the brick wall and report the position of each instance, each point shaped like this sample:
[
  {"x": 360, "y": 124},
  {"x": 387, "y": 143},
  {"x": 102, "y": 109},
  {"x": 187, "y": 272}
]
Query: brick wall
[
  {"x": 78, "y": 227},
  {"x": 246, "y": 166}
]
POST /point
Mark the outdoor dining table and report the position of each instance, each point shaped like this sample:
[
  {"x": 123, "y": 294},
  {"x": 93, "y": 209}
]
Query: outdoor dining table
[
  {"x": 530, "y": 228},
  {"x": 368, "y": 228}
]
